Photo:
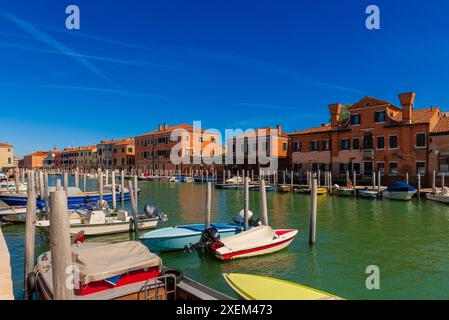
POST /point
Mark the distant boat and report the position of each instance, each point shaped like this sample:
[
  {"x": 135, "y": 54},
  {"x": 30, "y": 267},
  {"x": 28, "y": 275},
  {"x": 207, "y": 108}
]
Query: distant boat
[
  {"x": 252, "y": 287},
  {"x": 368, "y": 194},
  {"x": 76, "y": 198},
  {"x": 267, "y": 187},
  {"x": 284, "y": 188},
  {"x": 399, "y": 191},
  {"x": 320, "y": 191},
  {"x": 343, "y": 191},
  {"x": 441, "y": 195}
]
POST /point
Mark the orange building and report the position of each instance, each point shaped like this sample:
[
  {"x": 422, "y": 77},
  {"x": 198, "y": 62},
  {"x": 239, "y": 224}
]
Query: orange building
[
  {"x": 258, "y": 149},
  {"x": 124, "y": 154},
  {"x": 153, "y": 149},
  {"x": 376, "y": 136},
  {"x": 34, "y": 160}
]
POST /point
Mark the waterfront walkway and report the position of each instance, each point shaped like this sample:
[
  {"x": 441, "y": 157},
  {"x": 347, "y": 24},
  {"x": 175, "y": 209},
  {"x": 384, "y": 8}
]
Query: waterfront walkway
[{"x": 6, "y": 288}]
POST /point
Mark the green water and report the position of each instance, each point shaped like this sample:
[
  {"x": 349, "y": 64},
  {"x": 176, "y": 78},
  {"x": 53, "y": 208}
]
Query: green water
[{"x": 408, "y": 241}]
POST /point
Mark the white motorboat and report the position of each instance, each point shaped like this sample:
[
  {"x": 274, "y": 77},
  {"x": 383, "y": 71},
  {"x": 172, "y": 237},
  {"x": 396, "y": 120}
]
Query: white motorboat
[
  {"x": 441, "y": 195},
  {"x": 368, "y": 194},
  {"x": 399, "y": 191},
  {"x": 343, "y": 191},
  {"x": 96, "y": 222}
]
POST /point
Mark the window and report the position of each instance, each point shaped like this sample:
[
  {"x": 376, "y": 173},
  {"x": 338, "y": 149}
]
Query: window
[
  {"x": 368, "y": 141},
  {"x": 379, "y": 116},
  {"x": 443, "y": 162},
  {"x": 420, "y": 139},
  {"x": 187, "y": 138},
  {"x": 356, "y": 167},
  {"x": 130, "y": 149},
  {"x": 381, "y": 167},
  {"x": 343, "y": 167},
  {"x": 393, "y": 142},
  {"x": 284, "y": 146},
  {"x": 355, "y": 119},
  {"x": 123, "y": 150},
  {"x": 325, "y": 145},
  {"x": 356, "y": 144},
  {"x": 421, "y": 168},
  {"x": 344, "y": 144},
  {"x": 393, "y": 168},
  {"x": 380, "y": 142},
  {"x": 314, "y": 146},
  {"x": 296, "y": 146},
  {"x": 297, "y": 166},
  {"x": 9, "y": 161}
]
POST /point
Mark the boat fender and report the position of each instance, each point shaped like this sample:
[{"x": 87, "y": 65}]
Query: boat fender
[
  {"x": 174, "y": 271},
  {"x": 31, "y": 282}
]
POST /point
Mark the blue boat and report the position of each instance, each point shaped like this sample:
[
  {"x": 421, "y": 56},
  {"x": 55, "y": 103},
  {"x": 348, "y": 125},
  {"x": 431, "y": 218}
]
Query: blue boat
[
  {"x": 399, "y": 191},
  {"x": 177, "y": 238},
  {"x": 76, "y": 199},
  {"x": 200, "y": 179}
]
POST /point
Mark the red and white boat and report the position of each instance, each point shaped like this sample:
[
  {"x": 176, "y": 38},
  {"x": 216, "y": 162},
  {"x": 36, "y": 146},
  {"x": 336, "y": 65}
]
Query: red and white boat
[{"x": 254, "y": 242}]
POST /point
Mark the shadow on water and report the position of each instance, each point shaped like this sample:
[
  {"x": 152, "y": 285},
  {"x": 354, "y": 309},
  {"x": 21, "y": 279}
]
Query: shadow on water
[{"x": 408, "y": 241}]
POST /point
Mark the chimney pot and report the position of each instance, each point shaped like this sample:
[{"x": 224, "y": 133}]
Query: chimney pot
[
  {"x": 165, "y": 126},
  {"x": 335, "y": 111},
  {"x": 279, "y": 128},
  {"x": 407, "y": 100},
  {"x": 160, "y": 127}
]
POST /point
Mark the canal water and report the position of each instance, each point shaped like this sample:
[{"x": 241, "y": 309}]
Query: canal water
[{"x": 407, "y": 241}]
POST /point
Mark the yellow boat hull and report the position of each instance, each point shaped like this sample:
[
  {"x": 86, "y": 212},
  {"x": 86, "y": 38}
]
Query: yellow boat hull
[{"x": 252, "y": 287}]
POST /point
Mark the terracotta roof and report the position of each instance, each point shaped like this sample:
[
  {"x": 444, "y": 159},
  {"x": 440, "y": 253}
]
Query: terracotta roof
[
  {"x": 38, "y": 154},
  {"x": 372, "y": 103},
  {"x": 442, "y": 125},
  {"x": 79, "y": 149},
  {"x": 124, "y": 141},
  {"x": 324, "y": 128},
  {"x": 259, "y": 132},
  {"x": 184, "y": 126},
  {"x": 418, "y": 116},
  {"x": 5, "y": 145}
]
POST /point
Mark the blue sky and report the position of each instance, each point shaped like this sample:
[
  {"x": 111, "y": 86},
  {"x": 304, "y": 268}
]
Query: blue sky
[{"x": 231, "y": 64}]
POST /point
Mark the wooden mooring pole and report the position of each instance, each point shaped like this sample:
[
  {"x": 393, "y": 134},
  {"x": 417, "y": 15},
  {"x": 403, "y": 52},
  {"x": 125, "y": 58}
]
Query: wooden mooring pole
[
  {"x": 313, "y": 210},
  {"x": 208, "y": 203},
  {"x": 60, "y": 244},
  {"x": 30, "y": 239},
  {"x": 246, "y": 204},
  {"x": 263, "y": 202}
]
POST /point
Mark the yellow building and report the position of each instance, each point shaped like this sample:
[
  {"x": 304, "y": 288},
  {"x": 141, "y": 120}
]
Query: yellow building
[{"x": 6, "y": 156}]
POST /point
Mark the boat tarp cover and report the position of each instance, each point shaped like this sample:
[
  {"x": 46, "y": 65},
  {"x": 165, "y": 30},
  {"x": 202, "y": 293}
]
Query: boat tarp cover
[
  {"x": 103, "y": 261},
  {"x": 252, "y": 238},
  {"x": 401, "y": 187}
]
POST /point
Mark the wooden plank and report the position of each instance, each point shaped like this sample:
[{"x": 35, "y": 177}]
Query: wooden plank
[{"x": 6, "y": 287}]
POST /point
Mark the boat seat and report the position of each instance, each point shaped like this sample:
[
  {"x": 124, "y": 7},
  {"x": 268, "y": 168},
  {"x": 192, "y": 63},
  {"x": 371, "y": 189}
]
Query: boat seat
[{"x": 104, "y": 261}]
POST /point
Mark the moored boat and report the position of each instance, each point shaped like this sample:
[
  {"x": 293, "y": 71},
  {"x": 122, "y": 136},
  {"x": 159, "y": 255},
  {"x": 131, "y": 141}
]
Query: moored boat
[
  {"x": 441, "y": 195},
  {"x": 399, "y": 191},
  {"x": 120, "y": 271},
  {"x": 284, "y": 188},
  {"x": 320, "y": 191},
  {"x": 368, "y": 194},
  {"x": 253, "y": 287},
  {"x": 254, "y": 242},
  {"x": 343, "y": 191}
]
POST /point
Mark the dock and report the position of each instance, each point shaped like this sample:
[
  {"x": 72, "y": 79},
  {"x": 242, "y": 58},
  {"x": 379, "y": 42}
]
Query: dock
[{"x": 6, "y": 288}]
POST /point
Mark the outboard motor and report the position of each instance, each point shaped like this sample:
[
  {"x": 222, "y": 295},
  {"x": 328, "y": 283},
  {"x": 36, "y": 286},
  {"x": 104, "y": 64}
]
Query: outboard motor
[
  {"x": 102, "y": 205},
  {"x": 209, "y": 238},
  {"x": 240, "y": 218},
  {"x": 152, "y": 211}
]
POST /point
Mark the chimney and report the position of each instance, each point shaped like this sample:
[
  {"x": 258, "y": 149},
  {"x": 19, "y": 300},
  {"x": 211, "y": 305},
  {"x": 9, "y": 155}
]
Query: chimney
[
  {"x": 279, "y": 127},
  {"x": 165, "y": 126},
  {"x": 335, "y": 111},
  {"x": 160, "y": 127},
  {"x": 407, "y": 101}
]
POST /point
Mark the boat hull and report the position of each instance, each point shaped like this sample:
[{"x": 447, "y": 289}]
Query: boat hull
[
  {"x": 16, "y": 200},
  {"x": 261, "y": 249},
  {"x": 399, "y": 195},
  {"x": 438, "y": 198},
  {"x": 344, "y": 192},
  {"x": 177, "y": 238},
  {"x": 368, "y": 194}
]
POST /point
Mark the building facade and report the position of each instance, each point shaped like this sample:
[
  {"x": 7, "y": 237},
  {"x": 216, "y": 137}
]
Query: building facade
[
  {"x": 439, "y": 149},
  {"x": 265, "y": 149},
  {"x": 124, "y": 154},
  {"x": 376, "y": 136},
  {"x": 34, "y": 160},
  {"x": 6, "y": 156},
  {"x": 50, "y": 160},
  {"x": 192, "y": 145}
]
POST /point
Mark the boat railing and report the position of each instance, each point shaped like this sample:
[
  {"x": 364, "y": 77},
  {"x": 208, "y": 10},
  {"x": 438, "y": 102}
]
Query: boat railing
[{"x": 156, "y": 284}]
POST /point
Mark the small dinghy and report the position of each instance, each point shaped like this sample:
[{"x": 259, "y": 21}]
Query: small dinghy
[
  {"x": 343, "y": 191},
  {"x": 96, "y": 223},
  {"x": 399, "y": 191},
  {"x": 320, "y": 191},
  {"x": 256, "y": 187},
  {"x": 368, "y": 194},
  {"x": 441, "y": 195},
  {"x": 252, "y": 287},
  {"x": 284, "y": 188},
  {"x": 178, "y": 237},
  {"x": 254, "y": 242}
]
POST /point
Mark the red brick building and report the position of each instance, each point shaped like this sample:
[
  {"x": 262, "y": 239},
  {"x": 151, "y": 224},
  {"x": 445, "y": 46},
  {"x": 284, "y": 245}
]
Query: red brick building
[{"x": 376, "y": 136}]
